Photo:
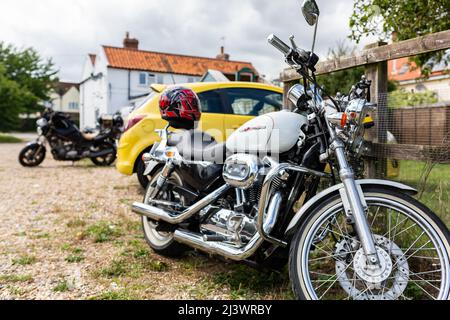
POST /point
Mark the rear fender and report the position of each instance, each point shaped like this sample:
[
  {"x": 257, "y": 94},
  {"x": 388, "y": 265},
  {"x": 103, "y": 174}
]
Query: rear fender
[{"x": 308, "y": 207}]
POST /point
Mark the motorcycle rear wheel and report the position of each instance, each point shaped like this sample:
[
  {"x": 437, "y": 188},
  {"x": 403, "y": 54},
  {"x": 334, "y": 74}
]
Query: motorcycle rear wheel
[
  {"x": 104, "y": 161},
  {"x": 162, "y": 242},
  {"x": 327, "y": 262}
]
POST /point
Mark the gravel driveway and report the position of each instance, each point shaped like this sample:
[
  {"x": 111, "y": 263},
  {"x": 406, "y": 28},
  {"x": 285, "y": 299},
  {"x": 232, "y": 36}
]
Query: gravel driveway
[{"x": 67, "y": 232}]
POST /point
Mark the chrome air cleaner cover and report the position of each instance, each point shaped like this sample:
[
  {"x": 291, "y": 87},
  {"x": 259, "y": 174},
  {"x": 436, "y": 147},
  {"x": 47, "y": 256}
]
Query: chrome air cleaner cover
[{"x": 241, "y": 170}]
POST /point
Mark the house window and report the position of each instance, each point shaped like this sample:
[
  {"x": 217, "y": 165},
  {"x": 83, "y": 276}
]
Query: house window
[
  {"x": 73, "y": 105},
  {"x": 142, "y": 79},
  {"x": 190, "y": 79},
  {"x": 151, "y": 78},
  {"x": 160, "y": 79}
]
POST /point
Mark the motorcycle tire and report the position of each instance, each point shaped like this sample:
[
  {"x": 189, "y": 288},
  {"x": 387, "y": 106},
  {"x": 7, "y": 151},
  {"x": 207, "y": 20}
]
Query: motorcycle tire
[{"x": 32, "y": 155}]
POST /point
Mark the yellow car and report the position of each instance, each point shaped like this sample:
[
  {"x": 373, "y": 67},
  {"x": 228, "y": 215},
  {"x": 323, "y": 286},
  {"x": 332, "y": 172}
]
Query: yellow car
[{"x": 225, "y": 107}]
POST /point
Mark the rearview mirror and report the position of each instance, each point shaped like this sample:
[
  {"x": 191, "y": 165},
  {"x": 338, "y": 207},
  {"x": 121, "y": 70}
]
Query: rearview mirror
[{"x": 310, "y": 11}]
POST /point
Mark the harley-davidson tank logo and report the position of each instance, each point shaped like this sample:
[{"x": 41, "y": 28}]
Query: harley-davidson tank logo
[{"x": 248, "y": 129}]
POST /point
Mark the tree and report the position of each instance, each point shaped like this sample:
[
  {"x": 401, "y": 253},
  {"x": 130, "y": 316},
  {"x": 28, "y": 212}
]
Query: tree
[
  {"x": 340, "y": 81},
  {"x": 402, "y": 98},
  {"x": 407, "y": 18},
  {"x": 11, "y": 101},
  {"x": 34, "y": 76}
]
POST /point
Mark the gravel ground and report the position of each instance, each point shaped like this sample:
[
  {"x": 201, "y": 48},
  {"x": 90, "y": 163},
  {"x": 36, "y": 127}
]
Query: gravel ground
[{"x": 67, "y": 232}]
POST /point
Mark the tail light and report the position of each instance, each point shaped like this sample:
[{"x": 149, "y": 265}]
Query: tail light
[{"x": 134, "y": 121}]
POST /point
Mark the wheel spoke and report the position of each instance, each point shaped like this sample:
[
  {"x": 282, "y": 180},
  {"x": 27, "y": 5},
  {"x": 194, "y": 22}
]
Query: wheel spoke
[
  {"x": 375, "y": 217},
  {"x": 337, "y": 277},
  {"x": 422, "y": 279},
  {"x": 412, "y": 254},
  {"x": 403, "y": 231},
  {"x": 407, "y": 250},
  {"x": 424, "y": 272},
  {"x": 431, "y": 296},
  {"x": 331, "y": 256}
]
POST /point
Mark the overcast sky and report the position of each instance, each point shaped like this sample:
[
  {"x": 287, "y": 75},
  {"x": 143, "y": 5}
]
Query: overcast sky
[{"x": 68, "y": 30}]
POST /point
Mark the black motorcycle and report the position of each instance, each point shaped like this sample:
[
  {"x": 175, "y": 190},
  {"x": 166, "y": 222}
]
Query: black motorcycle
[{"x": 68, "y": 143}]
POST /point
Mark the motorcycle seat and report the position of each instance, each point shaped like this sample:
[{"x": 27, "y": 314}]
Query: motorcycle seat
[
  {"x": 194, "y": 145},
  {"x": 89, "y": 136}
]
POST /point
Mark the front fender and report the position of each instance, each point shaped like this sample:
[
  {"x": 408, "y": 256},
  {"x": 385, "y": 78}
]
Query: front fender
[
  {"x": 295, "y": 222},
  {"x": 37, "y": 142}
]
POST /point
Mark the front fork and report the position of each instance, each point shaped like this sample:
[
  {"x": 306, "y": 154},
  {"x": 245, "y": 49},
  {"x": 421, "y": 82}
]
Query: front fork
[{"x": 354, "y": 203}]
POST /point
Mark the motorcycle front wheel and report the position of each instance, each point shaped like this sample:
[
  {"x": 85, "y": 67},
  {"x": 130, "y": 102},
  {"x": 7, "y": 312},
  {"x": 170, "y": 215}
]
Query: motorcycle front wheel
[
  {"x": 413, "y": 245},
  {"x": 32, "y": 155}
]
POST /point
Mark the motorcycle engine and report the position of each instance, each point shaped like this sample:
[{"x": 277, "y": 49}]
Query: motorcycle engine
[
  {"x": 228, "y": 226},
  {"x": 233, "y": 220},
  {"x": 62, "y": 150}
]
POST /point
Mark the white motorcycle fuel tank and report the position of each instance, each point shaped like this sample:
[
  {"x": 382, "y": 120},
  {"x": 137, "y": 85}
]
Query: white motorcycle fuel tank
[{"x": 274, "y": 133}]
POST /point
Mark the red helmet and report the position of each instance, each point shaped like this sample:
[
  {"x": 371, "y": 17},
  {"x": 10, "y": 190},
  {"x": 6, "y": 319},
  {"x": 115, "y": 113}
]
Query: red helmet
[{"x": 181, "y": 107}]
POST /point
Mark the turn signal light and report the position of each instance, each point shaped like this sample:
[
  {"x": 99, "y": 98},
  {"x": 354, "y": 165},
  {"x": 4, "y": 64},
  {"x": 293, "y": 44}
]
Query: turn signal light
[
  {"x": 170, "y": 154},
  {"x": 344, "y": 119}
]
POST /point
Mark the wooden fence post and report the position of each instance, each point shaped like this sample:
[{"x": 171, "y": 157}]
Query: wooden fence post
[{"x": 378, "y": 74}]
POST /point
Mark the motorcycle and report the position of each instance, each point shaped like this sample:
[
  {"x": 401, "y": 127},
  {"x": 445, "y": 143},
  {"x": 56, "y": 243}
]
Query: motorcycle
[
  {"x": 68, "y": 143},
  {"x": 359, "y": 239}
]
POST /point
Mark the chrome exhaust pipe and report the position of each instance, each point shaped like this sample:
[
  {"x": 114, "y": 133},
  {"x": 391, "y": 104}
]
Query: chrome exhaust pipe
[
  {"x": 197, "y": 241},
  {"x": 158, "y": 214},
  {"x": 238, "y": 254}
]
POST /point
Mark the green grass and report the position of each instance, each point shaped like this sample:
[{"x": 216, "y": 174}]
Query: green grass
[
  {"x": 15, "y": 278},
  {"x": 437, "y": 192},
  {"x": 134, "y": 260},
  {"x": 245, "y": 282},
  {"x": 117, "y": 268},
  {"x": 62, "y": 286},
  {"x": 20, "y": 234},
  {"x": 16, "y": 290},
  {"x": 24, "y": 260},
  {"x": 76, "y": 223},
  {"x": 9, "y": 139},
  {"x": 114, "y": 295},
  {"x": 74, "y": 258},
  {"x": 41, "y": 236},
  {"x": 103, "y": 231}
]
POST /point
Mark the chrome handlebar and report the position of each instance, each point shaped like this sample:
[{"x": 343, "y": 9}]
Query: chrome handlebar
[
  {"x": 287, "y": 51},
  {"x": 279, "y": 44}
]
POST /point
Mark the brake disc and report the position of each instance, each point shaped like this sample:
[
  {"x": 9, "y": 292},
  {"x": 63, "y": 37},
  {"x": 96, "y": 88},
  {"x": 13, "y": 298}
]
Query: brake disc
[{"x": 388, "y": 281}]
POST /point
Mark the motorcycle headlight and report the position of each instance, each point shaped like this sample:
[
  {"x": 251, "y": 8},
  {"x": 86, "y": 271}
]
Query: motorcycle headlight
[
  {"x": 41, "y": 122},
  {"x": 298, "y": 96}
]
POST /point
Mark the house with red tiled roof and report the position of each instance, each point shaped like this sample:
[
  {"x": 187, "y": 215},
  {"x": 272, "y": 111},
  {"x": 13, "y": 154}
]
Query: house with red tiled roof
[
  {"x": 118, "y": 77},
  {"x": 409, "y": 77}
]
